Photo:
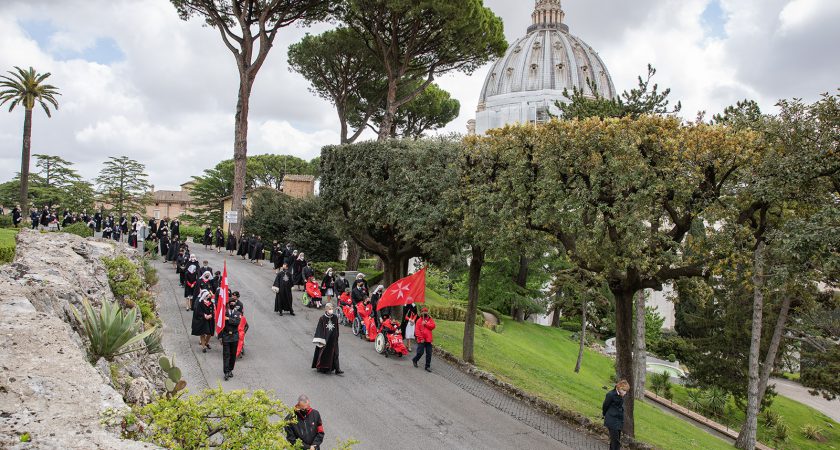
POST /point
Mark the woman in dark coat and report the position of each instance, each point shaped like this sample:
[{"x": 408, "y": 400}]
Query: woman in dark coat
[
  {"x": 231, "y": 243},
  {"x": 613, "y": 412},
  {"x": 202, "y": 321},
  {"x": 283, "y": 291},
  {"x": 191, "y": 276},
  {"x": 297, "y": 270},
  {"x": 328, "y": 285},
  {"x": 208, "y": 238},
  {"x": 244, "y": 244},
  {"x": 220, "y": 239},
  {"x": 257, "y": 253}
]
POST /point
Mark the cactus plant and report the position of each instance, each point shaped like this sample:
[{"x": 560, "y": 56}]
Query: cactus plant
[{"x": 173, "y": 382}]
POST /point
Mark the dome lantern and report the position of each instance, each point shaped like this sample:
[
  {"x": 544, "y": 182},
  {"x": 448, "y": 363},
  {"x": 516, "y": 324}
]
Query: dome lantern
[{"x": 548, "y": 14}]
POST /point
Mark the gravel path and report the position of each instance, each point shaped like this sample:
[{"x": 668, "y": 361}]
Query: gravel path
[{"x": 383, "y": 402}]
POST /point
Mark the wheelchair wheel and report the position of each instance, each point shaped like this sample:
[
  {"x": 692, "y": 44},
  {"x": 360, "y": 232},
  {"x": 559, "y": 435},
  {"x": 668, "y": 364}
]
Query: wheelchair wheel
[
  {"x": 380, "y": 344},
  {"x": 357, "y": 326}
]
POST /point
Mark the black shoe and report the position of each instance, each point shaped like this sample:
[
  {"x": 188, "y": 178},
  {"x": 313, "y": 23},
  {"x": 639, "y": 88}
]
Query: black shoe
[
  {"x": 414, "y": 362},
  {"x": 339, "y": 372},
  {"x": 291, "y": 314},
  {"x": 204, "y": 350},
  {"x": 227, "y": 377},
  {"x": 208, "y": 347},
  {"x": 281, "y": 313},
  {"x": 230, "y": 374},
  {"x": 428, "y": 370}
]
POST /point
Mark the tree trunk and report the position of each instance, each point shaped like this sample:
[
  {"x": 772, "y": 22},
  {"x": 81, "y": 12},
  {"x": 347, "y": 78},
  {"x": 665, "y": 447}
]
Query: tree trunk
[
  {"x": 240, "y": 152},
  {"x": 582, "y": 334},
  {"x": 390, "y": 111},
  {"x": 773, "y": 349},
  {"x": 472, "y": 303},
  {"x": 555, "y": 317},
  {"x": 624, "y": 350},
  {"x": 354, "y": 254},
  {"x": 24, "y": 160},
  {"x": 747, "y": 437},
  {"x": 639, "y": 349},
  {"x": 521, "y": 280}
]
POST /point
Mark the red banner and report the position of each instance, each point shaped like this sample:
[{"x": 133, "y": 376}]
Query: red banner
[
  {"x": 411, "y": 289},
  {"x": 221, "y": 302}
]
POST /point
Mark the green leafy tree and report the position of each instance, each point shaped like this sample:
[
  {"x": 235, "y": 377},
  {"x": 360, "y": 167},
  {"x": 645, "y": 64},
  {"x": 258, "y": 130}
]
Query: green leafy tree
[
  {"x": 122, "y": 184},
  {"x": 27, "y": 89},
  {"x": 248, "y": 29},
  {"x": 342, "y": 70},
  {"x": 418, "y": 41},
  {"x": 217, "y": 183},
  {"x": 386, "y": 196},
  {"x": 432, "y": 109},
  {"x": 54, "y": 180}
]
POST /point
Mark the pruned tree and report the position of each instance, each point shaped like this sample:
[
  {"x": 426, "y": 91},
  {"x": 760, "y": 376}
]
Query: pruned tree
[
  {"x": 122, "y": 184},
  {"x": 27, "y": 89},
  {"x": 418, "y": 41},
  {"x": 248, "y": 29},
  {"x": 386, "y": 196},
  {"x": 432, "y": 109}
]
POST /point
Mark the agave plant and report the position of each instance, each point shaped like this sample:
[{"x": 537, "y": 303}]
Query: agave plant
[{"x": 110, "y": 330}]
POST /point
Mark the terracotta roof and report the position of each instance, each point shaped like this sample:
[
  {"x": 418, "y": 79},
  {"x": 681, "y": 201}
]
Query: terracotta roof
[
  {"x": 171, "y": 196},
  {"x": 298, "y": 178}
]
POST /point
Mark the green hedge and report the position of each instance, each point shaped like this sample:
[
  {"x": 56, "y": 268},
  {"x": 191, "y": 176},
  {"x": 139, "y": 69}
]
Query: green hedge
[
  {"x": 321, "y": 267},
  {"x": 187, "y": 231},
  {"x": 6, "y": 221},
  {"x": 7, "y": 254},
  {"x": 453, "y": 314},
  {"x": 571, "y": 325},
  {"x": 79, "y": 229}
]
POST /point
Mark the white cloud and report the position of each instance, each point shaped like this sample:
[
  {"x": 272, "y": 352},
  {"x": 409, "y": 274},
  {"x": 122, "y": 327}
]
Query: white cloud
[{"x": 169, "y": 101}]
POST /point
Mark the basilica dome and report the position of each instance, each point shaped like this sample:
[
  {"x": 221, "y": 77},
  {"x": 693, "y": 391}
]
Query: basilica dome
[{"x": 524, "y": 85}]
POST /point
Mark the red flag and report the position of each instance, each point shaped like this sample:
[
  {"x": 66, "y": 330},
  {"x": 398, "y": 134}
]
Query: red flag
[
  {"x": 221, "y": 302},
  {"x": 411, "y": 289}
]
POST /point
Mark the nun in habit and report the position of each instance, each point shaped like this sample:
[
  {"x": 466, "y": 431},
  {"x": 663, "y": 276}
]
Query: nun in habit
[
  {"x": 283, "y": 291},
  {"x": 326, "y": 343}
]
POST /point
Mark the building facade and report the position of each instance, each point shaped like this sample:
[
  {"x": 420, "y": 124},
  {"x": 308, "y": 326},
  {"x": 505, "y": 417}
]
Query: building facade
[
  {"x": 524, "y": 85},
  {"x": 170, "y": 204}
]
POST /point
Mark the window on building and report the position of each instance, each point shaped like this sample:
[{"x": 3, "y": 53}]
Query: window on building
[
  {"x": 157, "y": 214},
  {"x": 542, "y": 114}
]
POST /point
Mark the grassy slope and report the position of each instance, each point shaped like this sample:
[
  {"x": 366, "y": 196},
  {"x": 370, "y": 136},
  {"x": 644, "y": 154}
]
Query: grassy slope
[{"x": 541, "y": 361}]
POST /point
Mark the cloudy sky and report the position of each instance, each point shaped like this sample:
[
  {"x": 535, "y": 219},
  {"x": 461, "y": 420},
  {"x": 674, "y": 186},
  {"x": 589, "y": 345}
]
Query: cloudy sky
[{"x": 138, "y": 81}]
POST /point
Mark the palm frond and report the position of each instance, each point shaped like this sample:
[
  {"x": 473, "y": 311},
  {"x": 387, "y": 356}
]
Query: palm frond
[{"x": 26, "y": 87}]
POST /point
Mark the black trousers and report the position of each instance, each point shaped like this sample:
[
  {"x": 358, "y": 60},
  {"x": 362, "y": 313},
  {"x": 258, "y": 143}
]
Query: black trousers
[
  {"x": 424, "y": 347},
  {"x": 229, "y": 355},
  {"x": 615, "y": 439}
]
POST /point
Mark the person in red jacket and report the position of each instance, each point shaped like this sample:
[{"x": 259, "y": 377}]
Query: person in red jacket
[{"x": 423, "y": 334}]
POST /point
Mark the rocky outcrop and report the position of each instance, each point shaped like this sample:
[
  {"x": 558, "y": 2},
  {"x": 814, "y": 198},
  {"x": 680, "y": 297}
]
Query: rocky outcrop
[{"x": 50, "y": 394}]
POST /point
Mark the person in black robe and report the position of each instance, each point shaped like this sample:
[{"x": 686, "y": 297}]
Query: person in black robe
[
  {"x": 244, "y": 243},
  {"x": 272, "y": 257},
  {"x": 191, "y": 281},
  {"x": 174, "y": 249},
  {"x": 164, "y": 226},
  {"x": 205, "y": 283},
  {"x": 374, "y": 300},
  {"x": 207, "y": 240},
  {"x": 98, "y": 219},
  {"x": 164, "y": 245},
  {"x": 328, "y": 285},
  {"x": 230, "y": 338},
  {"x": 297, "y": 271},
  {"x": 123, "y": 225},
  {"x": 283, "y": 291},
  {"x": 153, "y": 227},
  {"x": 231, "y": 243},
  {"x": 220, "y": 239},
  {"x": 202, "y": 320},
  {"x": 326, "y": 343},
  {"x": 16, "y": 216},
  {"x": 258, "y": 253},
  {"x": 175, "y": 227},
  {"x": 289, "y": 255},
  {"x": 106, "y": 232},
  {"x": 205, "y": 267}
]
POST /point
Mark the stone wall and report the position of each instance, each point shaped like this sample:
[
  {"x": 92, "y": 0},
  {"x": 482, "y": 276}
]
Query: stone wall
[{"x": 48, "y": 388}]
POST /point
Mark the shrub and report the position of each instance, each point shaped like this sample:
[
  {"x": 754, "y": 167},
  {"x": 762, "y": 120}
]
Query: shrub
[
  {"x": 453, "y": 314},
  {"x": 770, "y": 418},
  {"x": 154, "y": 342},
  {"x": 671, "y": 344},
  {"x": 716, "y": 400},
  {"x": 7, "y": 254},
  {"x": 123, "y": 277},
  {"x": 79, "y": 229},
  {"x": 781, "y": 432},
  {"x": 571, "y": 325},
  {"x": 321, "y": 267},
  {"x": 672, "y": 358},
  {"x": 660, "y": 383},
  {"x": 146, "y": 305},
  {"x": 149, "y": 274},
  {"x": 111, "y": 331},
  {"x": 812, "y": 432},
  {"x": 6, "y": 221},
  {"x": 187, "y": 231}
]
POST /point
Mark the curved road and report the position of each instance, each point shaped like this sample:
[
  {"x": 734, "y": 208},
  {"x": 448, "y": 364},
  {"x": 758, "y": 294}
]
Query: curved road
[{"x": 382, "y": 402}]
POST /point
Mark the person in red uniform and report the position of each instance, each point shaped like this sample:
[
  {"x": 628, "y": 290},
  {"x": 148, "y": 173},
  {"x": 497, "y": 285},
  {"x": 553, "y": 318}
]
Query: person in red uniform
[
  {"x": 391, "y": 329},
  {"x": 423, "y": 334},
  {"x": 365, "y": 311},
  {"x": 346, "y": 305},
  {"x": 309, "y": 428}
]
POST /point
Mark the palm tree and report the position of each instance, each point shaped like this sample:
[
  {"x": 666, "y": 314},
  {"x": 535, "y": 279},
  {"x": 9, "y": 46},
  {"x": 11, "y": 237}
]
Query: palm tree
[{"x": 26, "y": 87}]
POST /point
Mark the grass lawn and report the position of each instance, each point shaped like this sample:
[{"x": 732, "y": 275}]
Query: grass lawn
[
  {"x": 541, "y": 360},
  {"x": 794, "y": 414}
]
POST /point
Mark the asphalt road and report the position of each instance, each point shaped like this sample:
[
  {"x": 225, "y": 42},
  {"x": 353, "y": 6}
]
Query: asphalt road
[{"x": 382, "y": 402}]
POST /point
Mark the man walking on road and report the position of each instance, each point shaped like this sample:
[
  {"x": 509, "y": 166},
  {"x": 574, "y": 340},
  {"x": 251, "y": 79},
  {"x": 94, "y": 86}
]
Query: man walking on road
[
  {"x": 309, "y": 428},
  {"x": 423, "y": 334},
  {"x": 230, "y": 338}
]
